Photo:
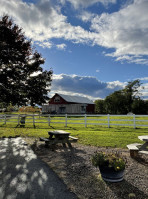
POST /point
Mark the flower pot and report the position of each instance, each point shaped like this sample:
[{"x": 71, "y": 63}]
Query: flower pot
[{"x": 110, "y": 175}]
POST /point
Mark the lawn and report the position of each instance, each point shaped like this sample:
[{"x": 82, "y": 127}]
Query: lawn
[{"x": 94, "y": 135}]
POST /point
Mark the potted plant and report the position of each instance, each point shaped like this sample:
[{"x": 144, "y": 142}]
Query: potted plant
[{"x": 111, "y": 166}]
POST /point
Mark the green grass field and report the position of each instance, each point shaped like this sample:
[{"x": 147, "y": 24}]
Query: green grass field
[{"x": 95, "y": 135}]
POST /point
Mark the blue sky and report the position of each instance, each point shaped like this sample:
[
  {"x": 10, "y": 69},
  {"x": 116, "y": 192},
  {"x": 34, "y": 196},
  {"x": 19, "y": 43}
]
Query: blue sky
[{"x": 94, "y": 47}]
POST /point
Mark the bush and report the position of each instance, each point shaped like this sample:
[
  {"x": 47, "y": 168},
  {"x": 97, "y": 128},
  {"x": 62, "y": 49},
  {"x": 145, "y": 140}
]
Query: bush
[{"x": 29, "y": 109}]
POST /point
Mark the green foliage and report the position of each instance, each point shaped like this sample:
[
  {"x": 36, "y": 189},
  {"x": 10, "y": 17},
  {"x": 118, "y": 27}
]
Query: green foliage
[
  {"x": 18, "y": 65},
  {"x": 123, "y": 101},
  {"x": 116, "y": 103},
  {"x": 99, "y": 106},
  {"x": 139, "y": 106},
  {"x": 131, "y": 93},
  {"x": 112, "y": 160}
]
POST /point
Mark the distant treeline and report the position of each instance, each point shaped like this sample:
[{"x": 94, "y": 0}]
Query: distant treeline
[{"x": 123, "y": 101}]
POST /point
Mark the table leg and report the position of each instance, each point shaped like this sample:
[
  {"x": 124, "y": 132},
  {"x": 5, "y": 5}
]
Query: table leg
[
  {"x": 50, "y": 137},
  {"x": 64, "y": 145},
  {"x": 69, "y": 144},
  {"x": 144, "y": 147}
]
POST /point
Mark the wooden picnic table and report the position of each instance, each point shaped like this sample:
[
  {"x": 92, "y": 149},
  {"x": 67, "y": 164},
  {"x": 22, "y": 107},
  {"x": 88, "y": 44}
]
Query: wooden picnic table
[
  {"x": 59, "y": 136},
  {"x": 137, "y": 148},
  {"x": 144, "y": 147}
]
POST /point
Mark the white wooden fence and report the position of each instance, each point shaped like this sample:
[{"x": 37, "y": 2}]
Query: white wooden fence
[{"x": 107, "y": 120}]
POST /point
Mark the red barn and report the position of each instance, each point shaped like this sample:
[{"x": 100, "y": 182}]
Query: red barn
[{"x": 61, "y": 104}]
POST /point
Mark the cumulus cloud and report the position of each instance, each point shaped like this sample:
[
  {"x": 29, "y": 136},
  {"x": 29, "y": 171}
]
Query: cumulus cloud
[
  {"x": 87, "y": 3},
  {"x": 43, "y": 21},
  {"x": 125, "y": 31},
  {"x": 84, "y": 85}
]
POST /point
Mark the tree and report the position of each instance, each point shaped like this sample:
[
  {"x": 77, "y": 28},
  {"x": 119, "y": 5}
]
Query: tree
[
  {"x": 116, "y": 103},
  {"x": 99, "y": 106},
  {"x": 131, "y": 92},
  {"x": 139, "y": 106},
  {"x": 124, "y": 101},
  {"x": 19, "y": 63}
]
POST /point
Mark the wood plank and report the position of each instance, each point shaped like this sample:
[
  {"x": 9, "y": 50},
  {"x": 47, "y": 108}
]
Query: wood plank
[
  {"x": 134, "y": 146},
  {"x": 143, "y": 138},
  {"x": 44, "y": 139},
  {"x": 143, "y": 152},
  {"x": 74, "y": 138}
]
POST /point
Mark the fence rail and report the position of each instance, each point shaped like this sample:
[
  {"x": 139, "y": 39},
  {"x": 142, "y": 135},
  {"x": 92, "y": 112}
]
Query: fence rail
[{"x": 106, "y": 120}]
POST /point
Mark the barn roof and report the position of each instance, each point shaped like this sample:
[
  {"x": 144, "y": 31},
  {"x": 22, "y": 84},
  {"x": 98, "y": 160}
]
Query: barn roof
[{"x": 76, "y": 99}]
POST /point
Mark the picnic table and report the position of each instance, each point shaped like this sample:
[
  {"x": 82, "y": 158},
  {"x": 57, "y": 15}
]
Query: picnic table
[
  {"x": 59, "y": 136},
  {"x": 144, "y": 147},
  {"x": 137, "y": 148}
]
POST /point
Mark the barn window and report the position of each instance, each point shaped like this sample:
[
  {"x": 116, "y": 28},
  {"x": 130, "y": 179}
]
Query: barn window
[
  {"x": 57, "y": 99},
  {"x": 62, "y": 109},
  {"x": 83, "y": 109}
]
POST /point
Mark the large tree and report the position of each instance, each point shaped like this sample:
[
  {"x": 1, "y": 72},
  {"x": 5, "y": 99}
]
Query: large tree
[
  {"x": 124, "y": 101},
  {"x": 131, "y": 92},
  {"x": 116, "y": 103},
  {"x": 22, "y": 78}
]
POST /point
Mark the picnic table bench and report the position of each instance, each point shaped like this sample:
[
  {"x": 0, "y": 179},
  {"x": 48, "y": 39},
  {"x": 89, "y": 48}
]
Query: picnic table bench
[
  {"x": 137, "y": 148},
  {"x": 60, "y": 136}
]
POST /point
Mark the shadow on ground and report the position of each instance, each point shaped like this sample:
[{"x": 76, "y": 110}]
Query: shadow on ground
[
  {"x": 24, "y": 176},
  {"x": 75, "y": 168}
]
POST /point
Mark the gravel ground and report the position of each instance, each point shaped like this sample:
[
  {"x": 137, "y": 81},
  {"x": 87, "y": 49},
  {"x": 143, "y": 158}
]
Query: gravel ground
[{"x": 75, "y": 168}]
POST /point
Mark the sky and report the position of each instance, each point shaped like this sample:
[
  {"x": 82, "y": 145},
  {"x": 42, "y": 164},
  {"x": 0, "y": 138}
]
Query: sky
[{"x": 94, "y": 47}]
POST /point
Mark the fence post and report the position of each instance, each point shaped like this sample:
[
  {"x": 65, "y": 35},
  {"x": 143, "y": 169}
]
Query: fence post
[
  {"x": 5, "y": 119},
  {"x": 134, "y": 120},
  {"x": 108, "y": 120},
  {"x": 49, "y": 120},
  {"x": 18, "y": 119},
  {"x": 33, "y": 120},
  {"x": 85, "y": 120},
  {"x": 66, "y": 120}
]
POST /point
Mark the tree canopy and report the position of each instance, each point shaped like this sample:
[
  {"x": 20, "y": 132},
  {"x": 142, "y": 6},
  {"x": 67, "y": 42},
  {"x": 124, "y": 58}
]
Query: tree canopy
[
  {"x": 22, "y": 79},
  {"x": 123, "y": 101}
]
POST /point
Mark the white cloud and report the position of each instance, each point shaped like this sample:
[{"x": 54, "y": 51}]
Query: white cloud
[
  {"x": 143, "y": 78},
  {"x": 43, "y": 21},
  {"x": 35, "y": 74},
  {"x": 125, "y": 31},
  {"x": 86, "y": 16},
  {"x": 61, "y": 46},
  {"x": 45, "y": 44},
  {"x": 87, "y": 3}
]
